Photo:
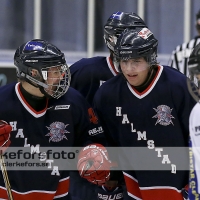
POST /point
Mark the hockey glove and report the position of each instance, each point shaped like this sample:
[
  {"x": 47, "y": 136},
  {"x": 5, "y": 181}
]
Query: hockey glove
[
  {"x": 93, "y": 164},
  {"x": 5, "y": 130},
  {"x": 103, "y": 193}
]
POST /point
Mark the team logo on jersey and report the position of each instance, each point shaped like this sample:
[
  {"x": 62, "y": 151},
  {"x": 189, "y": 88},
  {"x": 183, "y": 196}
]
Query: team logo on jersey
[
  {"x": 163, "y": 115},
  {"x": 57, "y": 131}
]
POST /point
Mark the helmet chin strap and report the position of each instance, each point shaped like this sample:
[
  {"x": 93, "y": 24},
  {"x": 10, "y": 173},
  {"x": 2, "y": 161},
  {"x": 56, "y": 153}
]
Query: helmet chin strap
[
  {"x": 44, "y": 92},
  {"x": 32, "y": 80},
  {"x": 38, "y": 84}
]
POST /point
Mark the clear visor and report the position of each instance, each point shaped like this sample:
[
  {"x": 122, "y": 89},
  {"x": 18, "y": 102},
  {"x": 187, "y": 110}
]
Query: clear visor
[
  {"x": 125, "y": 55},
  {"x": 134, "y": 65}
]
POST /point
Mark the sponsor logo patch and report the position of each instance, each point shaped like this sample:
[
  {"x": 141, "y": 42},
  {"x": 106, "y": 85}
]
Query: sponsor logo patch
[
  {"x": 145, "y": 33},
  {"x": 62, "y": 107}
]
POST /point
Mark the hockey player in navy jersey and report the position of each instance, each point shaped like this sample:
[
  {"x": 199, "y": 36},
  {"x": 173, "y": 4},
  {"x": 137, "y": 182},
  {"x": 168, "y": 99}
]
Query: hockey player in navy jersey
[
  {"x": 43, "y": 111},
  {"x": 88, "y": 74},
  {"x": 147, "y": 105},
  {"x": 194, "y": 123}
]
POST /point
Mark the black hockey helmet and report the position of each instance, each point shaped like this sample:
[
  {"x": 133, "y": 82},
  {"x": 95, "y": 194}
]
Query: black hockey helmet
[
  {"x": 40, "y": 56},
  {"x": 135, "y": 43},
  {"x": 117, "y": 23}
]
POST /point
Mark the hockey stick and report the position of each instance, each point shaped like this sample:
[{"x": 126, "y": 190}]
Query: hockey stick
[{"x": 5, "y": 177}]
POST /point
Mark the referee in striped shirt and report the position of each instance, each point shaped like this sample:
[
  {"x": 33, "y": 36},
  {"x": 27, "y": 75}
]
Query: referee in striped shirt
[{"x": 180, "y": 55}]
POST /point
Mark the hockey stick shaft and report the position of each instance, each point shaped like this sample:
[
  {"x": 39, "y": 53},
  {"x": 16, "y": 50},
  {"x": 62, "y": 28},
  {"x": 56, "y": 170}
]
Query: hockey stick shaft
[{"x": 5, "y": 177}]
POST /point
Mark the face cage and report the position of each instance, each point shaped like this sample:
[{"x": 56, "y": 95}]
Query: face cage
[
  {"x": 116, "y": 63},
  {"x": 57, "y": 85},
  {"x": 193, "y": 85},
  {"x": 110, "y": 41},
  {"x": 193, "y": 80},
  {"x": 54, "y": 87}
]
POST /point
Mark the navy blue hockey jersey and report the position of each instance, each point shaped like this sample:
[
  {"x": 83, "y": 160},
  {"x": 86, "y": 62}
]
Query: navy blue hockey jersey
[
  {"x": 65, "y": 122},
  {"x": 88, "y": 74},
  {"x": 156, "y": 117}
]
